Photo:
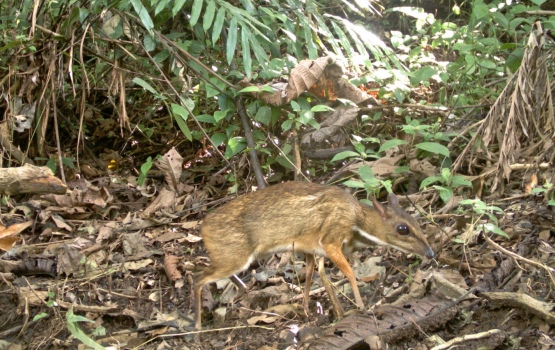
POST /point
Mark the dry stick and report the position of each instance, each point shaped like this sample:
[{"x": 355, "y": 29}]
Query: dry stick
[
  {"x": 297, "y": 153},
  {"x": 255, "y": 164},
  {"x": 518, "y": 257},
  {"x": 57, "y": 132}
]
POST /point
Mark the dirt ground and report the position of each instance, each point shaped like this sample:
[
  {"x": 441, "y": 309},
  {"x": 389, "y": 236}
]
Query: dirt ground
[{"x": 107, "y": 279}]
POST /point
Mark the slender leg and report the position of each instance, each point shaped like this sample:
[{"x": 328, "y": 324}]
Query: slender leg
[
  {"x": 329, "y": 289},
  {"x": 336, "y": 255},
  {"x": 308, "y": 280}
]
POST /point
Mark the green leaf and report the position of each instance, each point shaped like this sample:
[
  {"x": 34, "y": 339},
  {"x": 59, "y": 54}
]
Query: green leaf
[
  {"x": 231, "y": 40},
  {"x": 430, "y": 180},
  {"x": 195, "y": 12},
  {"x": 286, "y": 125},
  {"x": 354, "y": 184},
  {"x": 219, "y": 115},
  {"x": 445, "y": 193},
  {"x": 143, "y": 14},
  {"x": 264, "y": 115},
  {"x": 366, "y": 173},
  {"x": 177, "y": 6},
  {"x": 237, "y": 144},
  {"x": 537, "y": 190},
  {"x": 77, "y": 332},
  {"x": 181, "y": 119},
  {"x": 391, "y": 144},
  {"x": 250, "y": 89},
  {"x": 145, "y": 167},
  {"x": 459, "y": 180},
  {"x": 343, "y": 155},
  {"x": 321, "y": 108},
  {"x": 246, "y": 48},
  {"x": 145, "y": 85},
  {"x": 218, "y": 25},
  {"x": 206, "y": 118},
  {"x": 40, "y": 316},
  {"x": 209, "y": 14},
  {"x": 433, "y": 147},
  {"x": 285, "y": 162},
  {"x": 218, "y": 138},
  {"x": 489, "y": 227}
]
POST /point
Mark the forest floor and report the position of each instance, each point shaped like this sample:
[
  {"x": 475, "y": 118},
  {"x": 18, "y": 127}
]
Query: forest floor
[{"x": 121, "y": 276}]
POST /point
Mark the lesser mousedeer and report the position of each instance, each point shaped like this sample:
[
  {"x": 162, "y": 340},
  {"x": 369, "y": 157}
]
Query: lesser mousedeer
[{"x": 304, "y": 217}]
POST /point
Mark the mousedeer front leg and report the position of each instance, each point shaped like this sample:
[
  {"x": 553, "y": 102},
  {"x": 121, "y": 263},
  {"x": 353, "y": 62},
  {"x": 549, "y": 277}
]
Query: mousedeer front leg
[{"x": 335, "y": 253}]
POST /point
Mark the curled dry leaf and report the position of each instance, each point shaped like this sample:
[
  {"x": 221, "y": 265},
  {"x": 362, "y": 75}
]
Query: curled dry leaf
[
  {"x": 170, "y": 265},
  {"x": 9, "y": 235},
  {"x": 171, "y": 164}
]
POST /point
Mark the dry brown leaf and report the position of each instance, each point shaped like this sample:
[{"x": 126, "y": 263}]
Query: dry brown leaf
[
  {"x": 171, "y": 266},
  {"x": 8, "y": 235}
]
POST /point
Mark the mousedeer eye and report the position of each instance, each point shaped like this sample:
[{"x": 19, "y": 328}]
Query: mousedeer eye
[{"x": 403, "y": 230}]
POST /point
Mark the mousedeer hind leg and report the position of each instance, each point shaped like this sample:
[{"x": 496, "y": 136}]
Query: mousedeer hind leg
[
  {"x": 308, "y": 279},
  {"x": 217, "y": 270}
]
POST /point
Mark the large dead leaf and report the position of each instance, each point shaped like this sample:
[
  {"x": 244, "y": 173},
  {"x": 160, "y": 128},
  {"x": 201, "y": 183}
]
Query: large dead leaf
[{"x": 521, "y": 122}]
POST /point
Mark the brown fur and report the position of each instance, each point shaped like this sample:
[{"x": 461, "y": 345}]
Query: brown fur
[{"x": 305, "y": 217}]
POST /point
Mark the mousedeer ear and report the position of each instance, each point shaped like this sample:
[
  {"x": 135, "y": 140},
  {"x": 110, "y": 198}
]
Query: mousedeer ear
[
  {"x": 379, "y": 208},
  {"x": 393, "y": 200}
]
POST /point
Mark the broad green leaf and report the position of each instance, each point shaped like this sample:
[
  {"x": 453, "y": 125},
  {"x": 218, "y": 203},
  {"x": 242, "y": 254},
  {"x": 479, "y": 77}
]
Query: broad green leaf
[
  {"x": 181, "y": 117},
  {"x": 391, "y": 144},
  {"x": 264, "y": 115},
  {"x": 286, "y": 125},
  {"x": 209, "y": 14},
  {"x": 343, "y": 155},
  {"x": 218, "y": 138},
  {"x": 459, "y": 180},
  {"x": 236, "y": 145},
  {"x": 433, "y": 147},
  {"x": 143, "y": 14},
  {"x": 445, "y": 193},
  {"x": 287, "y": 148},
  {"x": 285, "y": 162},
  {"x": 231, "y": 40},
  {"x": 195, "y": 12},
  {"x": 219, "y": 115},
  {"x": 218, "y": 25},
  {"x": 206, "y": 118},
  {"x": 366, "y": 173}
]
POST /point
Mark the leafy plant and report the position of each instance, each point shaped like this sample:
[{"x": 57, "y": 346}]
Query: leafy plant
[
  {"x": 448, "y": 183},
  {"x": 369, "y": 183},
  {"x": 361, "y": 152},
  {"x": 479, "y": 211},
  {"x": 548, "y": 190},
  {"x": 73, "y": 326}
]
